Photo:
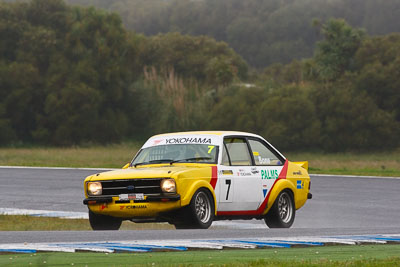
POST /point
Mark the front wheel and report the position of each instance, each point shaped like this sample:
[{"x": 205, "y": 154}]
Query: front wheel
[
  {"x": 282, "y": 212},
  {"x": 103, "y": 222},
  {"x": 200, "y": 212}
]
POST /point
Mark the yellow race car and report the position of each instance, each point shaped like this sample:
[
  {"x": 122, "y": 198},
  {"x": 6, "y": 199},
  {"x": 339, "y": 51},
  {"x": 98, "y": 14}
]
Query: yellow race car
[{"x": 191, "y": 179}]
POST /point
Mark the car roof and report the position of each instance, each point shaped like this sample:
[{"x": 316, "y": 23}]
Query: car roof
[{"x": 218, "y": 133}]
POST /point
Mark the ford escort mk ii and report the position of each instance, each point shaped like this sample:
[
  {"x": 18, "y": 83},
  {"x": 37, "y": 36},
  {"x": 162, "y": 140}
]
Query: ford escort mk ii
[{"x": 191, "y": 179}]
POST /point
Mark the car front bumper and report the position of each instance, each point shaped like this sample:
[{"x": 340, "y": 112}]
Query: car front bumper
[{"x": 152, "y": 206}]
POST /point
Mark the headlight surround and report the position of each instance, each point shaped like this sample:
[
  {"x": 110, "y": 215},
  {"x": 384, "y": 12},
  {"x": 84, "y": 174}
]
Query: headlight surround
[
  {"x": 94, "y": 188},
  {"x": 168, "y": 186}
]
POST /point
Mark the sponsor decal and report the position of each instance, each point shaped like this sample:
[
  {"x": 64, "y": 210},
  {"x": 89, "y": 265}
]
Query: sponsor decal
[
  {"x": 297, "y": 173},
  {"x": 256, "y": 153},
  {"x": 269, "y": 174},
  {"x": 243, "y": 172},
  {"x": 188, "y": 140},
  {"x": 136, "y": 207},
  {"x": 102, "y": 207},
  {"x": 263, "y": 161},
  {"x": 156, "y": 142},
  {"x": 254, "y": 170},
  {"x": 132, "y": 207},
  {"x": 226, "y": 172},
  {"x": 265, "y": 192},
  {"x": 300, "y": 184}
]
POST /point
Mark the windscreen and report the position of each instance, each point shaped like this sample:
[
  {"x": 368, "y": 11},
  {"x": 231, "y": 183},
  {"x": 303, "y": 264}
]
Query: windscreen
[{"x": 170, "y": 153}]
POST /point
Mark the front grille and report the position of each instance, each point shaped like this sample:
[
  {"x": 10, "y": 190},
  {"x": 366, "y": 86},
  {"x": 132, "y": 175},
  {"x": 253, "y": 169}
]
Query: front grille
[{"x": 132, "y": 186}]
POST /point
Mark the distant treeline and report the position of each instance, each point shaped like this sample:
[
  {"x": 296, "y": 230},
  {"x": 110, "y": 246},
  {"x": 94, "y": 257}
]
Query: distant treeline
[
  {"x": 74, "y": 75},
  {"x": 261, "y": 31}
]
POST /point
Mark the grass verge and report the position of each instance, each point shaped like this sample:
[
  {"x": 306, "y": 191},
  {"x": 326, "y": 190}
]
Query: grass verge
[
  {"x": 29, "y": 223},
  {"x": 374, "y": 164},
  {"x": 115, "y": 156},
  {"x": 112, "y": 156},
  {"x": 368, "y": 255}
]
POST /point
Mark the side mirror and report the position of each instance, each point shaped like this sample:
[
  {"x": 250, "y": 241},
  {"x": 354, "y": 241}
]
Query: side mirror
[{"x": 126, "y": 166}]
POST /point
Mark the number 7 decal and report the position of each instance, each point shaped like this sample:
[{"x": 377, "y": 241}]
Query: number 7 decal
[{"x": 228, "y": 182}]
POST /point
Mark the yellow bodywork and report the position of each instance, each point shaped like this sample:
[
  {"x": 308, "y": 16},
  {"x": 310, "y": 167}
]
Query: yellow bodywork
[
  {"x": 295, "y": 172},
  {"x": 188, "y": 177}
]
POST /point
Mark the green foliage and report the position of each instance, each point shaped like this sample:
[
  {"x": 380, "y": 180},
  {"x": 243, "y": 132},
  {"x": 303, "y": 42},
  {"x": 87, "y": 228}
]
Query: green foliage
[
  {"x": 378, "y": 68},
  {"x": 289, "y": 119},
  {"x": 263, "y": 32},
  {"x": 238, "y": 109},
  {"x": 201, "y": 58},
  {"x": 64, "y": 73},
  {"x": 352, "y": 121},
  {"x": 348, "y": 93},
  {"x": 334, "y": 55},
  {"x": 72, "y": 75}
]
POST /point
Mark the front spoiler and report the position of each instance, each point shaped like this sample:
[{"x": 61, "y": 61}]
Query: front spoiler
[{"x": 100, "y": 200}]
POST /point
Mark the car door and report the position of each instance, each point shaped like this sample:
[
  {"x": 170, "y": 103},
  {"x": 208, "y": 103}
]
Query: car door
[
  {"x": 239, "y": 183},
  {"x": 268, "y": 164}
]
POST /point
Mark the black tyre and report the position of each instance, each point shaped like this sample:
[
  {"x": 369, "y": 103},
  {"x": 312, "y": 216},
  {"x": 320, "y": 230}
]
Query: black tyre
[
  {"x": 282, "y": 212},
  {"x": 103, "y": 222},
  {"x": 199, "y": 214}
]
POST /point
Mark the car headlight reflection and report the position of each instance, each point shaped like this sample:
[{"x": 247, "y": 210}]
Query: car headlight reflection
[
  {"x": 168, "y": 186},
  {"x": 94, "y": 188}
]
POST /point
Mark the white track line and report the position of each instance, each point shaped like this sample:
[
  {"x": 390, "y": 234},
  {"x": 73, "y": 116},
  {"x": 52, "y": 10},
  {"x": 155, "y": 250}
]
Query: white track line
[
  {"x": 45, "y": 213},
  {"x": 354, "y": 176},
  {"x": 215, "y": 244},
  {"x": 57, "y": 168}
]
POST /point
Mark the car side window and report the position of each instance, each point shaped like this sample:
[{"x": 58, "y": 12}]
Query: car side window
[
  {"x": 237, "y": 151},
  {"x": 225, "y": 157},
  {"x": 263, "y": 155}
]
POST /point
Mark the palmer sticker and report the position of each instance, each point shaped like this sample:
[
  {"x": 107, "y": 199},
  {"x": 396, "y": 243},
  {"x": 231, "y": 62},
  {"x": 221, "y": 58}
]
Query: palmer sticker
[{"x": 269, "y": 174}]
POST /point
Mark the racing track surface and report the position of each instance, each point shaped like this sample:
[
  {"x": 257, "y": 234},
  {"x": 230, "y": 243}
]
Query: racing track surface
[{"x": 340, "y": 206}]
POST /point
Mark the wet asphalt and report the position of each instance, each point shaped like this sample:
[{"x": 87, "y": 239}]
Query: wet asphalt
[{"x": 340, "y": 206}]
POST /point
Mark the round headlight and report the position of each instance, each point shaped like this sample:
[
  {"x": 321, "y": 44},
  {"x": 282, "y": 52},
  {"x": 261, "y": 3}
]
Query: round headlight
[
  {"x": 168, "y": 186},
  {"x": 94, "y": 188}
]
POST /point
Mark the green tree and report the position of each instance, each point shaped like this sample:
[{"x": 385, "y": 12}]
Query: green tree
[
  {"x": 288, "y": 118},
  {"x": 238, "y": 109},
  {"x": 65, "y": 74},
  {"x": 377, "y": 62},
  {"x": 350, "y": 120},
  {"x": 334, "y": 55},
  {"x": 201, "y": 58}
]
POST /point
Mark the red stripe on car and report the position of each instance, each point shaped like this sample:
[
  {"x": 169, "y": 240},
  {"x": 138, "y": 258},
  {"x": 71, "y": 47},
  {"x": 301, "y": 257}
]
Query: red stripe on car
[{"x": 214, "y": 176}]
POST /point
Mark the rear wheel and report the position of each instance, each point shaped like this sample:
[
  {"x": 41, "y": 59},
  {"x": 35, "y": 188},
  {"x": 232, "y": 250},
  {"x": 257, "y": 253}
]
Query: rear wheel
[
  {"x": 199, "y": 214},
  {"x": 103, "y": 222},
  {"x": 282, "y": 212}
]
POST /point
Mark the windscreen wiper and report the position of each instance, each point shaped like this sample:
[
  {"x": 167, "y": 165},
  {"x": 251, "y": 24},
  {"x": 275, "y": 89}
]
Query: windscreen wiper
[
  {"x": 189, "y": 159},
  {"x": 153, "y": 161}
]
